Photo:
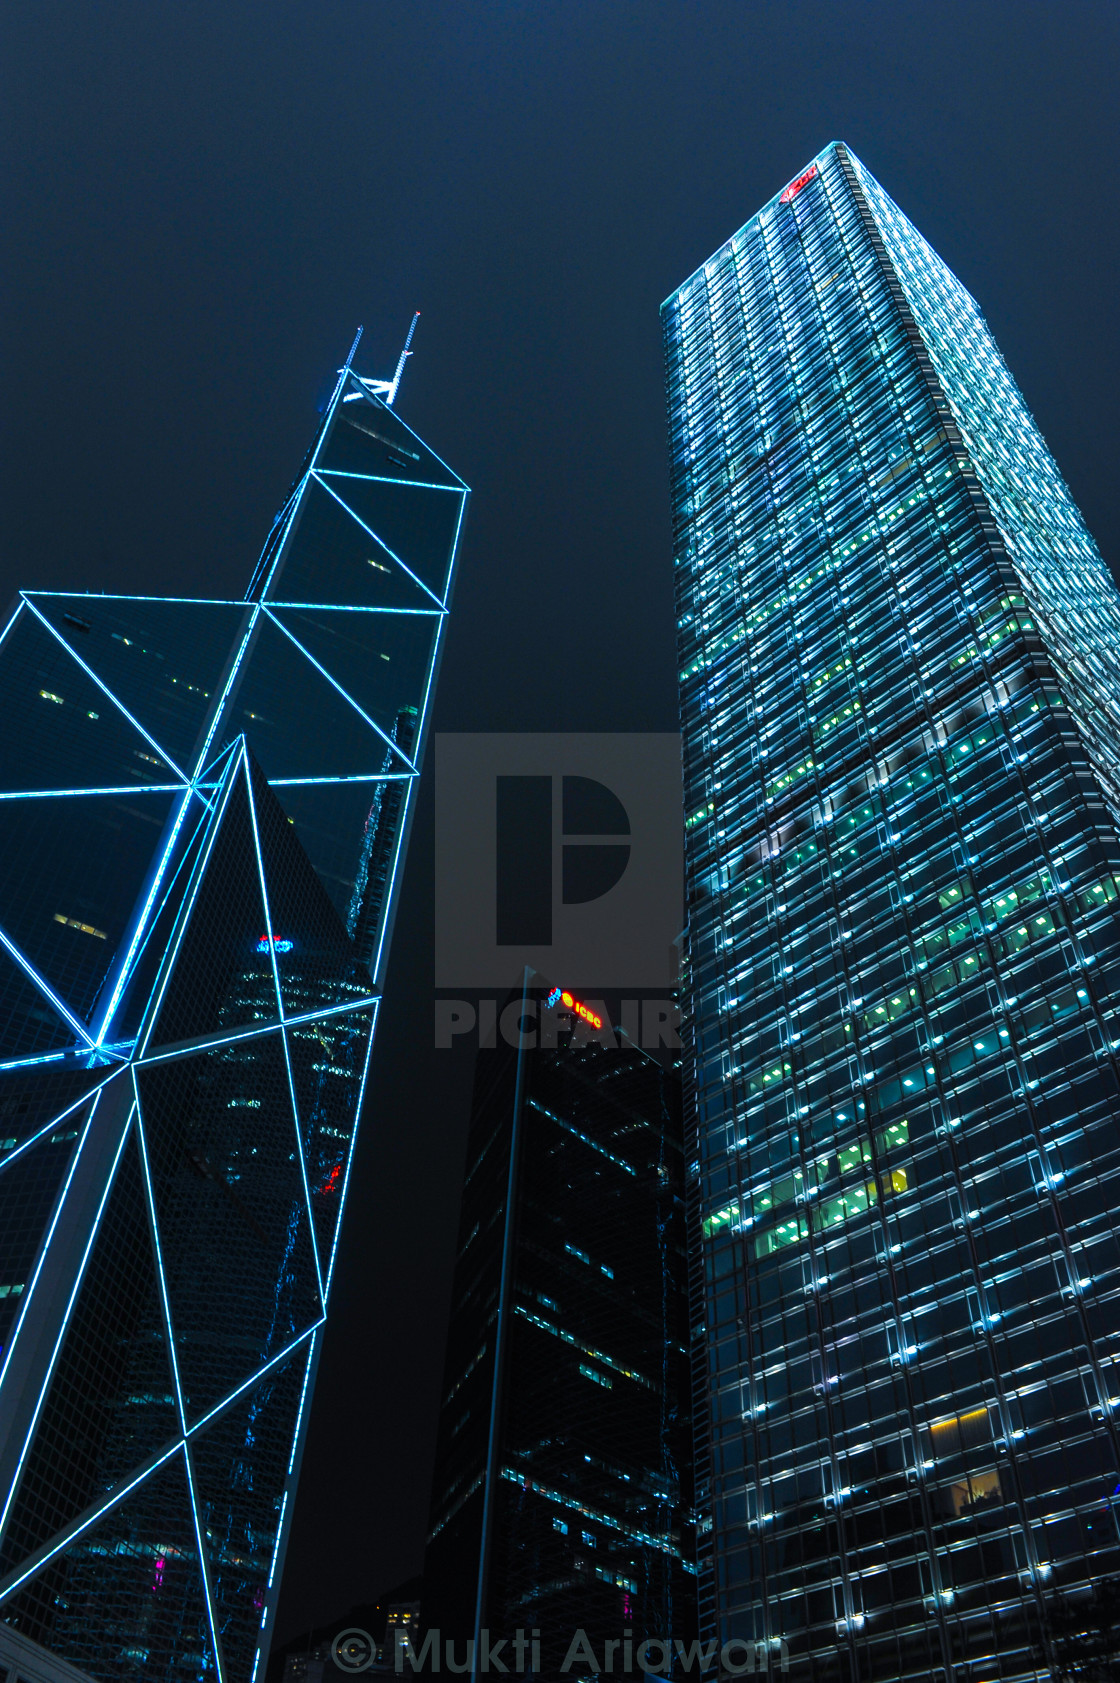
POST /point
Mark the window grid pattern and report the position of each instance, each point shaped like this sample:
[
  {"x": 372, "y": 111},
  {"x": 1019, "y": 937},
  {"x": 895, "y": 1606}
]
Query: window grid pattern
[{"x": 903, "y": 964}]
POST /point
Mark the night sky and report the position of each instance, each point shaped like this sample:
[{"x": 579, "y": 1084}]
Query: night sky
[{"x": 199, "y": 204}]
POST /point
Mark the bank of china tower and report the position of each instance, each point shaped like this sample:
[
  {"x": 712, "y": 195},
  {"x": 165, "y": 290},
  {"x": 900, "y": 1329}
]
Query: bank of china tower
[{"x": 203, "y": 811}]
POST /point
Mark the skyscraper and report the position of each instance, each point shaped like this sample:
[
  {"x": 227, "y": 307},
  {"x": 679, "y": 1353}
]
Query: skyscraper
[
  {"x": 203, "y": 808},
  {"x": 561, "y": 1496},
  {"x": 900, "y": 691}
]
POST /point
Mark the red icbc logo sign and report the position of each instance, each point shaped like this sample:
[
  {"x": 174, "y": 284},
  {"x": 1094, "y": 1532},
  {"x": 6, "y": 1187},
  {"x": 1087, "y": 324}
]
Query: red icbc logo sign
[
  {"x": 560, "y": 996},
  {"x": 795, "y": 187}
]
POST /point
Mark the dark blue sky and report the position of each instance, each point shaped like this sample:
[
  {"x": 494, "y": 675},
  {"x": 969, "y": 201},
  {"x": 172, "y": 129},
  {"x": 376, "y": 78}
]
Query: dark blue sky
[{"x": 199, "y": 204}]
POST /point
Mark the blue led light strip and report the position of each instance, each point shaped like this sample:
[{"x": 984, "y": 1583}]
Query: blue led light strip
[
  {"x": 152, "y": 1012},
  {"x": 219, "y": 710},
  {"x": 49, "y": 1373},
  {"x": 138, "y": 935},
  {"x": 46, "y": 990},
  {"x": 350, "y": 1154},
  {"x": 270, "y": 933},
  {"x": 121, "y": 789},
  {"x": 348, "y": 608},
  {"x": 357, "y": 777},
  {"x": 45, "y": 1247},
  {"x": 204, "y": 1568},
  {"x": 106, "y": 691},
  {"x": 393, "y": 556},
  {"x": 324, "y": 474},
  {"x": 302, "y": 1166},
  {"x": 253, "y": 1031},
  {"x": 389, "y": 743},
  {"x": 55, "y": 1121},
  {"x": 64, "y": 1539}
]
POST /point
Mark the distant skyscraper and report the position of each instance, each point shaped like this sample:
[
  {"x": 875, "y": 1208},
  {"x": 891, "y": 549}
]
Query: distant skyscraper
[
  {"x": 900, "y": 691},
  {"x": 562, "y": 1483},
  {"x": 203, "y": 808}
]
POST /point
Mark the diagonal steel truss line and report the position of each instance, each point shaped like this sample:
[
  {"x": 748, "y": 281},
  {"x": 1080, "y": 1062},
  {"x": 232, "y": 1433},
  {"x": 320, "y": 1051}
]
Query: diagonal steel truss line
[
  {"x": 180, "y": 1400},
  {"x": 140, "y": 928},
  {"x": 182, "y": 922},
  {"x": 391, "y": 553},
  {"x": 418, "y": 752},
  {"x": 254, "y": 1031},
  {"x": 388, "y": 479},
  {"x": 219, "y": 709},
  {"x": 63, "y": 1539},
  {"x": 157, "y": 1251},
  {"x": 146, "y": 927},
  {"x": 351, "y": 608},
  {"x": 90, "y": 596},
  {"x": 60, "y": 1203},
  {"x": 459, "y": 483},
  {"x": 152, "y": 1463},
  {"x": 302, "y": 1161},
  {"x": 33, "y": 1139},
  {"x": 105, "y": 690},
  {"x": 65, "y": 794},
  {"x": 45, "y": 1058},
  {"x": 258, "y": 587},
  {"x": 48, "y": 1372},
  {"x": 224, "y": 1676},
  {"x": 278, "y": 1544},
  {"x": 388, "y": 741},
  {"x": 47, "y": 991},
  {"x": 357, "y": 777},
  {"x": 271, "y": 938},
  {"x": 270, "y": 935},
  {"x": 16, "y": 611},
  {"x": 350, "y": 1155}
]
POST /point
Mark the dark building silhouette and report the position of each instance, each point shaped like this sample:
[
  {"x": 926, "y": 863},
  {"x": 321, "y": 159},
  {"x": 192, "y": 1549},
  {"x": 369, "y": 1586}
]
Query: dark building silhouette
[
  {"x": 561, "y": 1498},
  {"x": 203, "y": 807}
]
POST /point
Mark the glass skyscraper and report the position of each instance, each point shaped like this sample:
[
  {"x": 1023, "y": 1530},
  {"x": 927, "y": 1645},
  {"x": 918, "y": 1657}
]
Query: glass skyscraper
[
  {"x": 561, "y": 1494},
  {"x": 900, "y": 693},
  {"x": 203, "y": 809}
]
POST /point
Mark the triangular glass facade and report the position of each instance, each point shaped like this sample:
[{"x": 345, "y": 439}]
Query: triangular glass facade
[{"x": 202, "y": 805}]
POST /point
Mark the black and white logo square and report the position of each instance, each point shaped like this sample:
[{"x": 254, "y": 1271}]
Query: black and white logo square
[{"x": 559, "y": 850}]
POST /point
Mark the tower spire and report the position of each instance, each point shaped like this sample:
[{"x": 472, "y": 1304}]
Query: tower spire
[
  {"x": 405, "y": 354},
  {"x": 387, "y": 389}
]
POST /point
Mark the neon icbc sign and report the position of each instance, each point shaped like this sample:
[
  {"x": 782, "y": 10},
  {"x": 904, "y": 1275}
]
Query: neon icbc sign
[
  {"x": 559, "y": 996},
  {"x": 795, "y": 187}
]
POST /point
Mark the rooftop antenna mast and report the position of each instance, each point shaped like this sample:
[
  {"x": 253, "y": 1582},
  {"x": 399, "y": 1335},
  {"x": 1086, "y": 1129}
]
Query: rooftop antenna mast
[
  {"x": 387, "y": 389},
  {"x": 405, "y": 354}
]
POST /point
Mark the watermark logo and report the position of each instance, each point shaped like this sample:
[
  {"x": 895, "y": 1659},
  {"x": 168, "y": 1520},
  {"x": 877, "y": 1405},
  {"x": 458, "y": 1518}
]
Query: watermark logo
[
  {"x": 529, "y": 1023},
  {"x": 355, "y": 1650},
  {"x": 560, "y": 851}
]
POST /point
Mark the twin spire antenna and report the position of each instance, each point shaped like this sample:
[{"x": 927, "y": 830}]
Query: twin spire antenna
[{"x": 385, "y": 389}]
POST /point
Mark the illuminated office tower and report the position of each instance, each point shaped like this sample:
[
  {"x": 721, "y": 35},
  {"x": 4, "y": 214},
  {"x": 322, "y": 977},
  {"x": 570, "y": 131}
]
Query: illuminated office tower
[
  {"x": 900, "y": 693},
  {"x": 203, "y": 810}
]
